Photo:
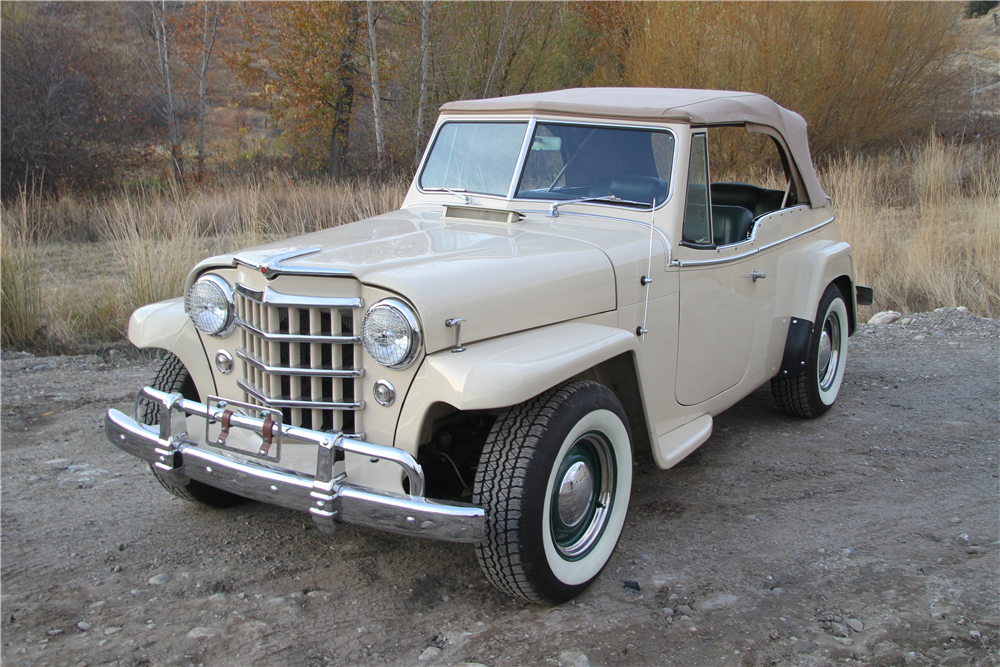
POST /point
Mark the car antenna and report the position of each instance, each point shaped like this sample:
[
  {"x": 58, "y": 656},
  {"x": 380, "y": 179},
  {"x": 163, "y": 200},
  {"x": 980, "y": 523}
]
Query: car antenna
[{"x": 645, "y": 280}]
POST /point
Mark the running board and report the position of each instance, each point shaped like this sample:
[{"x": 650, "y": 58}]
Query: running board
[{"x": 672, "y": 447}]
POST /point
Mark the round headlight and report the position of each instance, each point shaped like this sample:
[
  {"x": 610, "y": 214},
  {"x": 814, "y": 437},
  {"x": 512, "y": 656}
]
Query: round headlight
[
  {"x": 391, "y": 334},
  {"x": 209, "y": 303}
]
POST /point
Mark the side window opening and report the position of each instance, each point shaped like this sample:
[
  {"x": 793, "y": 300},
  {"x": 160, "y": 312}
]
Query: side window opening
[{"x": 750, "y": 172}]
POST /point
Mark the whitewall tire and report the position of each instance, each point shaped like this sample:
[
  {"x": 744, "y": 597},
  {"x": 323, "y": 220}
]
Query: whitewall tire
[
  {"x": 555, "y": 479},
  {"x": 815, "y": 391}
]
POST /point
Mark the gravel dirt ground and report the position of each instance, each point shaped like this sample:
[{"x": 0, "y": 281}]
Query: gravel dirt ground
[{"x": 868, "y": 536}]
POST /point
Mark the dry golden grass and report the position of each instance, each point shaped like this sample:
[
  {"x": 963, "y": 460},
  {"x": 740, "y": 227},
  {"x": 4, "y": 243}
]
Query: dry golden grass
[
  {"x": 22, "y": 324},
  {"x": 70, "y": 294},
  {"x": 925, "y": 225}
]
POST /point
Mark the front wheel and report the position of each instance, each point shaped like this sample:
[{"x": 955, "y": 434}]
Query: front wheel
[
  {"x": 173, "y": 377},
  {"x": 554, "y": 478},
  {"x": 813, "y": 393}
]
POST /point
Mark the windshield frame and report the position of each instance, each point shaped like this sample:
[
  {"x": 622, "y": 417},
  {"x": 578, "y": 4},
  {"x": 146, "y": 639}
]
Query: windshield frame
[{"x": 522, "y": 158}]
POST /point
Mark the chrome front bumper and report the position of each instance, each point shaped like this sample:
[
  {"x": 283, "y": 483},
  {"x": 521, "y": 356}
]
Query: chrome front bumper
[{"x": 329, "y": 498}]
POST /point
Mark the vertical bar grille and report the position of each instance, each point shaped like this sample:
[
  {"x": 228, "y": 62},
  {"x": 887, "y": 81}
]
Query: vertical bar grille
[{"x": 300, "y": 354}]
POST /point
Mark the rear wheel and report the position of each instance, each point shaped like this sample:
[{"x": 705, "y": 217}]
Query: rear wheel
[
  {"x": 813, "y": 393},
  {"x": 554, "y": 478},
  {"x": 173, "y": 378}
]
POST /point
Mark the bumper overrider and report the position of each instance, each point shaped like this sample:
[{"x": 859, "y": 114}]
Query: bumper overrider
[{"x": 329, "y": 498}]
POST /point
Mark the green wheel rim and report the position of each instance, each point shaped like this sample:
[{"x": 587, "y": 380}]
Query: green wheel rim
[{"x": 582, "y": 496}]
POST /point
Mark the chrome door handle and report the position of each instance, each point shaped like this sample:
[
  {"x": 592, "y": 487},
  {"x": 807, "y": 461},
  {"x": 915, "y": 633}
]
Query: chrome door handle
[{"x": 755, "y": 274}]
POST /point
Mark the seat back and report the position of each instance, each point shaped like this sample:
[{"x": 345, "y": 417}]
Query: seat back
[
  {"x": 731, "y": 224},
  {"x": 757, "y": 200}
]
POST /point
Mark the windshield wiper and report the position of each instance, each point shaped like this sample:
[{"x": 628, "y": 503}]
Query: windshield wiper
[
  {"x": 610, "y": 199},
  {"x": 455, "y": 191}
]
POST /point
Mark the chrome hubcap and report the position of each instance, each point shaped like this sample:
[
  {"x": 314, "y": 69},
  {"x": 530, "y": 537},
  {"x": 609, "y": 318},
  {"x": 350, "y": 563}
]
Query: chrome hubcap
[
  {"x": 574, "y": 494},
  {"x": 829, "y": 352},
  {"x": 824, "y": 350},
  {"x": 582, "y": 496}
]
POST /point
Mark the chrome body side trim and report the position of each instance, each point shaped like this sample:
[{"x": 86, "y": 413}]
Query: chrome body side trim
[
  {"x": 330, "y": 498},
  {"x": 271, "y": 298},
  {"x": 288, "y": 370},
  {"x": 750, "y": 253},
  {"x": 795, "y": 236}
]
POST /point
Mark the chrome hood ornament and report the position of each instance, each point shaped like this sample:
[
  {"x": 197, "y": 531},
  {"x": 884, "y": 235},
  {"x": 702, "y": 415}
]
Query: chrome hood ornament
[{"x": 272, "y": 266}]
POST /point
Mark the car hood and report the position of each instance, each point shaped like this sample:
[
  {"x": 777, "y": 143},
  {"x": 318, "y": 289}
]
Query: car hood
[{"x": 499, "y": 278}]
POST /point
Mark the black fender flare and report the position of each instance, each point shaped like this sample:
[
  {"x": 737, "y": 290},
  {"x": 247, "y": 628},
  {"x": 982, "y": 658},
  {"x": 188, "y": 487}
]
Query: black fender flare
[{"x": 797, "y": 342}]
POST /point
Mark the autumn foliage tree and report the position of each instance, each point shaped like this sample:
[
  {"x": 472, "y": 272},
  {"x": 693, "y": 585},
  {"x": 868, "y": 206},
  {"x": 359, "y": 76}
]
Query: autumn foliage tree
[
  {"x": 303, "y": 62},
  {"x": 349, "y": 85}
]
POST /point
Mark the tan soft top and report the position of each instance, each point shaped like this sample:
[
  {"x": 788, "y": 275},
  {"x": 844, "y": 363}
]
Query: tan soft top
[{"x": 695, "y": 107}]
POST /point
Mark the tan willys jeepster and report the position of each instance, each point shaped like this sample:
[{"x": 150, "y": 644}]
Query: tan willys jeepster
[{"x": 566, "y": 283}]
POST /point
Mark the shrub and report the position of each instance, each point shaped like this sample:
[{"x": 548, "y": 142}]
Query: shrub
[{"x": 862, "y": 74}]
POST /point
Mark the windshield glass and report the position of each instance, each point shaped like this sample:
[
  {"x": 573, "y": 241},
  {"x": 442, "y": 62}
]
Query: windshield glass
[
  {"x": 474, "y": 157},
  {"x": 609, "y": 163}
]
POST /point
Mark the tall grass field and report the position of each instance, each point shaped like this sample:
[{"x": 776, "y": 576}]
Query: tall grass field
[{"x": 924, "y": 224}]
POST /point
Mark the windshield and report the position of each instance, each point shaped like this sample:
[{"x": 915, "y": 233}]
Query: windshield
[
  {"x": 474, "y": 157},
  {"x": 615, "y": 165}
]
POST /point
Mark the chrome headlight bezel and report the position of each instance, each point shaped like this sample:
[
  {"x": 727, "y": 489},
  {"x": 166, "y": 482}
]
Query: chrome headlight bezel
[
  {"x": 412, "y": 326},
  {"x": 222, "y": 294}
]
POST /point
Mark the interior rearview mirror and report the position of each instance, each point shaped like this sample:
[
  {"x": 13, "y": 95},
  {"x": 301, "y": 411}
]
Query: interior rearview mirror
[{"x": 546, "y": 144}]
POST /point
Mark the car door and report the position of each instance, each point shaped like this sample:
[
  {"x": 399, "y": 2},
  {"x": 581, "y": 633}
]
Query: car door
[{"x": 717, "y": 304}]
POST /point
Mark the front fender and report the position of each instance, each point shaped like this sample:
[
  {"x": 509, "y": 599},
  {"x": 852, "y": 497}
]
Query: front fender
[
  {"x": 166, "y": 326},
  {"x": 511, "y": 369},
  {"x": 805, "y": 274}
]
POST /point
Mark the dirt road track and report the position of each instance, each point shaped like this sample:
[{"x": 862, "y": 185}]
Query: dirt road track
[{"x": 869, "y": 536}]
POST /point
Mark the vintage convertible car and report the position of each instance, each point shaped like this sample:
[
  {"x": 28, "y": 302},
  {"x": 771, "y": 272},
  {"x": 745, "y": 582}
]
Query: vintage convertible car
[{"x": 564, "y": 283}]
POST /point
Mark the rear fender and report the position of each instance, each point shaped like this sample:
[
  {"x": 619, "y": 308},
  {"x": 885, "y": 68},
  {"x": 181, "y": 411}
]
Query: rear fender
[
  {"x": 805, "y": 274},
  {"x": 166, "y": 326}
]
